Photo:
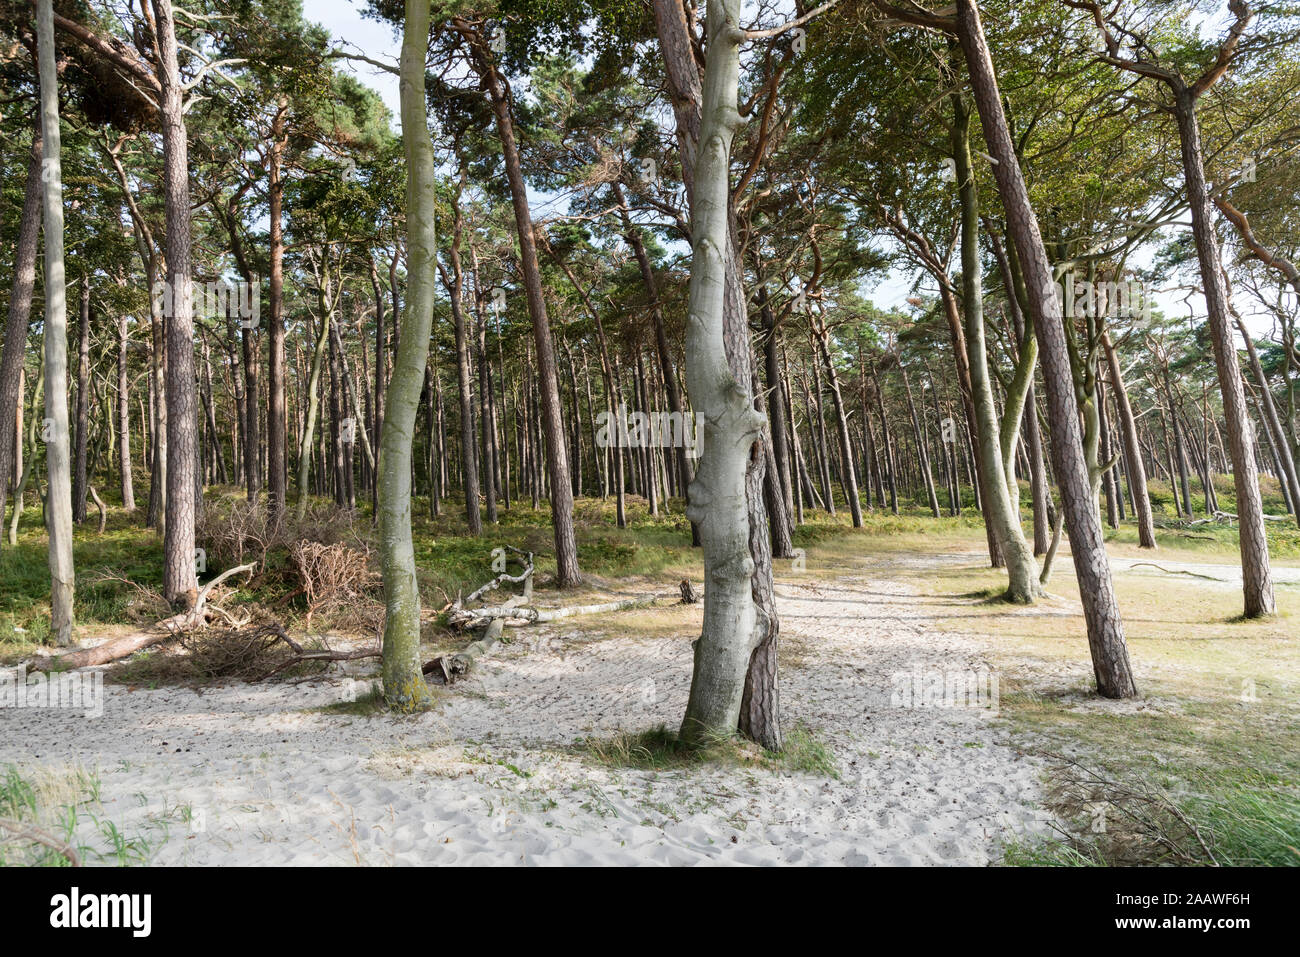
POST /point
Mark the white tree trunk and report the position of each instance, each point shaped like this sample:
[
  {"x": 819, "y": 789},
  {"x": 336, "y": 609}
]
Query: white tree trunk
[{"x": 731, "y": 424}]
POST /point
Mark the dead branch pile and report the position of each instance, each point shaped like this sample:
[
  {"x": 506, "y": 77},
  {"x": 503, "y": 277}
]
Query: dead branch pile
[
  {"x": 177, "y": 624},
  {"x": 258, "y": 652},
  {"x": 332, "y": 577}
]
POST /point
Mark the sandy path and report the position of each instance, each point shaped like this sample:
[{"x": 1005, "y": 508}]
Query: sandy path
[{"x": 491, "y": 777}]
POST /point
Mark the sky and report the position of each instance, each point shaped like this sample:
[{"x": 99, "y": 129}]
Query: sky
[{"x": 379, "y": 41}]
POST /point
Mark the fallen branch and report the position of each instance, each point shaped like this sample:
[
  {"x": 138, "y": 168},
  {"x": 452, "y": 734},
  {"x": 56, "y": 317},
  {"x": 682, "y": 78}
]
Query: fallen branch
[
  {"x": 1268, "y": 518},
  {"x": 505, "y": 577},
  {"x": 1177, "y": 571},
  {"x": 303, "y": 655},
  {"x": 118, "y": 648},
  {"x": 468, "y": 616},
  {"x": 18, "y": 831}
]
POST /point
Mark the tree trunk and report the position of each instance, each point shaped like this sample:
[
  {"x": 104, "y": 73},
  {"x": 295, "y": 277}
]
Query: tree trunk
[
  {"x": 404, "y": 685},
  {"x": 17, "y": 324},
  {"x": 180, "y": 585},
  {"x": 568, "y": 574},
  {"x": 848, "y": 480},
  {"x": 1001, "y": 505},
  {"x": 468, "y": 449},
  {"x": 124, "y": 416},
  {"x": 1101, "y": 610},
  {"x": 58, "y": 502},
  {"x": 1137, "y": 474},
  {"x": 1257, "y": 578},
  {"x": 731, "y": 424}
]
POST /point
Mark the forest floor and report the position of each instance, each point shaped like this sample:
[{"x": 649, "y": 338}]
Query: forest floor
[{"x": 548, "y": 752}]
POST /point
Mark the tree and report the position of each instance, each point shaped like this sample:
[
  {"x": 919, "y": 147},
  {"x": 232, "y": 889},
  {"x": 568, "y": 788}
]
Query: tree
[
  {"x": 1257, "y": 578},
  {"x": 58, "y": 507},
  {"x": 20, "y": 308},
  {"x": 731, "y": 424},
  {"x": 1101, "y": 610},
  {"x": 404, "y": 685}
]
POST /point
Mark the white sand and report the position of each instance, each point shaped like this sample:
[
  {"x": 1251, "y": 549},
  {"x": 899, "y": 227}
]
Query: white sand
[{"x": 491, "y": 776}]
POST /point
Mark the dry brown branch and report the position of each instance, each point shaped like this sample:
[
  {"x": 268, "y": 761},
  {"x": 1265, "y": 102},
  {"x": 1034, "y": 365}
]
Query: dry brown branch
[
  {"x": 118, "y": 648},
  {"x": 18, "y": 831}
]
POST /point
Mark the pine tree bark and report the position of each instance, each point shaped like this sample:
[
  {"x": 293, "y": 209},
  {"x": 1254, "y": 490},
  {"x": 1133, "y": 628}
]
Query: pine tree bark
[
  {"x": 58, "y": 502},
  {"x": 19, "y": 316},
  {"x": 568, "y": 573},
  {"x": 1101, "y": 610},
  {"x": 1257, "y": 577},
  {"x": 277, "y": 417},
  {"x": 180, "y": 584}
]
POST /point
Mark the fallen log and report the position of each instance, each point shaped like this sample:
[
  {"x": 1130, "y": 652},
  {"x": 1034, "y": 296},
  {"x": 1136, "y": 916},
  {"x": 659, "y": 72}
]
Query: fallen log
[
  {"x": 1177, "y": 571},
  {"x": 1268, "y": 518},
  {"x": 469, "y": 616},
  {"x": 118, "y": 648},
  {"x": 448, "y": 668}
]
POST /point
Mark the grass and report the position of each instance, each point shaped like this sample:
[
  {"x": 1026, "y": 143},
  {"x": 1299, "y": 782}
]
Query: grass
[
  {"x": 1219, "y": 734},
  {"x": 63, "y": 807},
  {"x": 1216, "y": 736}
]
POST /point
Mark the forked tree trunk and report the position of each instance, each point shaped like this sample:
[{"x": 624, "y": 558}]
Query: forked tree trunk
[
  {"x": 1101, "y": 610},
  {"x": 58, "y": 502},
  {"x": 404, "y": 685},
  {"x": 1000, "y": 511}
]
